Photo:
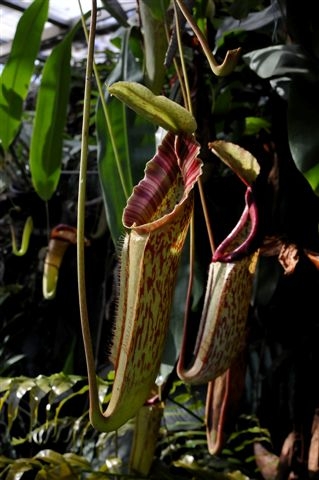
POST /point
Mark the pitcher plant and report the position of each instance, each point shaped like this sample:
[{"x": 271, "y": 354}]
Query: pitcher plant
[{"x": 156, "y": 219}]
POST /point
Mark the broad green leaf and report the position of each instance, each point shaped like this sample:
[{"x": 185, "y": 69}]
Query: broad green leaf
[
  {"x": 134, "y": 138},
  {"x": 50, "y": 119},
  {"x": 17, "y": 72}
]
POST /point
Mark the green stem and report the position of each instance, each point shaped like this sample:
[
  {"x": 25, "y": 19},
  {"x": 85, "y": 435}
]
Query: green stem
[
  {"x": 126, "y": 188},
  {"x": 188, "y": 103},
  {"x": 187, "y": 100},
  {"x": 94, "y": 398},
  {"x": 206, "y": 216}
]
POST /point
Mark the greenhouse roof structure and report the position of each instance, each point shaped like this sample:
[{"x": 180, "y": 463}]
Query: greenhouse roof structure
[{"x": 63, "y": 14}]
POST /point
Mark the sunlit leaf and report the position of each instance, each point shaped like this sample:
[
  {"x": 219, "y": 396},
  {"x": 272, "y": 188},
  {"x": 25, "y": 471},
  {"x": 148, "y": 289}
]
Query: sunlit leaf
[
  {"x": 254, "y": 125},
  {"x": 62, "y": 383},
  {"x": 50, "y": 118},
  {"x": 18, "y": 389},
  {"x": 312, "y": 175},
  {"x": 41, "y": 388},
  {"x": 242, "y": 162},
  {"x": 158, "y": 109},
  {"x": 17, "y": 72}
]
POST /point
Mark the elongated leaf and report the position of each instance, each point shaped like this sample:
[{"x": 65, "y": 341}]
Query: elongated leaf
[
  {"x": 18, "y": 388},
  {"x": 152, "y": 16},
  {"x": 41, "y": 388},
  {"x": 50, "y": 118},
  {"x": 17, "y": 72},
  {"x": 134, "y": 139}
]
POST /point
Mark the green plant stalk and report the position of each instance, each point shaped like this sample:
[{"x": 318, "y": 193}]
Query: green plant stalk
[
  {"x": 183, "y": 77},
  {"x": 126, "y": 188},
  {"x": 185, "y": 88},
  {"x": 187, "y": 99},
  {"x": 93, "y": 391}
]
